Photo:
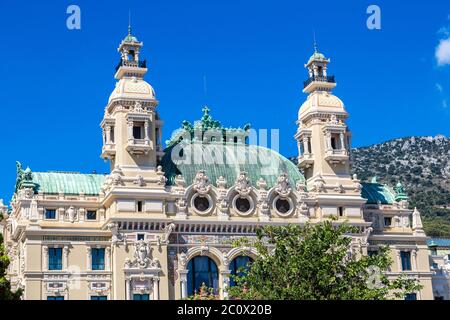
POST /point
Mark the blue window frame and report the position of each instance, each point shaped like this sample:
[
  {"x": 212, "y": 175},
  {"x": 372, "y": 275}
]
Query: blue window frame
[
  {"x": 50, "y": 214},
  {"x": 141, "y": 297},
  {"x": 91, "y": 215},
  {"x": 239, "y": 267},
  {"x": 99, "y": 298},
  {"x": 55, "y": 298},
  {"x": 202, "y": 270},
  {"x": 405, "y": 257},
  {"x": 411, "y": 296},
  {"x": 98, "y": 258},
  {"x": 54, "y": 258}
]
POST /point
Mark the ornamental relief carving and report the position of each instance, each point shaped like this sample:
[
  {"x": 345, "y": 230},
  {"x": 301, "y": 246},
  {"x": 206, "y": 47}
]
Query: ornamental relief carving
[
  {"x": 243, "y": 184},
  {"x": 142, "y": 257},
  {"x": 283, "y": 187},
  {"x": 201, "y": 183}
]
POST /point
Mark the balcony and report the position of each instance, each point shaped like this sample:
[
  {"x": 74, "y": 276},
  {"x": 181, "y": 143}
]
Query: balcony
[
  {"x": 336, "y": 156},
  {"x": 131, "y": 64},
  {"x": 108, "y": 151},
  {"x": 328, "y": 79},
  {"x": 306, "y": 160},
  {"x": 139, "y": 146}
]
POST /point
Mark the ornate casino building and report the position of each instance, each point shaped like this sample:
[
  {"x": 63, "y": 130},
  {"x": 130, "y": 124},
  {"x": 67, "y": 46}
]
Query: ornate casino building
[{"x": 163, "y": 220}]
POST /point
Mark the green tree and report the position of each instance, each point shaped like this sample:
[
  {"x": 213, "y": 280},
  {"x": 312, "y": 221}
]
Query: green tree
[
  {"x": 313, "y": 263},
  {"x": 5, "y": 285}
]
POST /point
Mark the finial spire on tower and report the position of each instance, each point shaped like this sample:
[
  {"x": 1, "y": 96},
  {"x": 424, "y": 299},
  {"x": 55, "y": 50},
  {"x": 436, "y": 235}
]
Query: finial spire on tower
[
  {"x": 315, "y": 42},
  {"x": 129, "y": 22}
]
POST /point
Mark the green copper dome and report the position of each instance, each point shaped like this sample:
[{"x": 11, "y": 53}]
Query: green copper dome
[
  {"x": 228, "y": 160},
  {"x": 377, "y": 193},
  {"x": 317, "y": 56}
]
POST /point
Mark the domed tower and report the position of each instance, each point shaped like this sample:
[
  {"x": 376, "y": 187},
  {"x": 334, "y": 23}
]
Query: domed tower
[
  {"x": 131, "y": 125},
  {"x": 323, "y": 137}
]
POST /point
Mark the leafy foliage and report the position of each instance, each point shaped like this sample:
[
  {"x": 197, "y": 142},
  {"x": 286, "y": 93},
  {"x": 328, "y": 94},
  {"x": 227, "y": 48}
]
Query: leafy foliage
[
  {"x": 5, "y": 286},
  {"x": 314, "y": 263},
  {"x": 204, "y": 293}
]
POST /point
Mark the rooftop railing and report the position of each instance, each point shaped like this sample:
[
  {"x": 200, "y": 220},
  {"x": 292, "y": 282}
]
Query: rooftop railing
[
  {"x": 132, "y": 63},
  {"x": 329, "y": 79}
]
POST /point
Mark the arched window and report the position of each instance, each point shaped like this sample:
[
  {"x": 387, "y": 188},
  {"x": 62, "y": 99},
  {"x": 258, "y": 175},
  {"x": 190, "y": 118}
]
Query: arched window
[
  {"x": 239, "y": 263},
  {"x": 202, "y": 270}
]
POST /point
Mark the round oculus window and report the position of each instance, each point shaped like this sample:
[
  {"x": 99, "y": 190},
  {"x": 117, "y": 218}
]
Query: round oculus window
[
  {"x": 243, "y": 205},
  {"x": 283, "y": 206},
  {"x": 201, "y": 203}
]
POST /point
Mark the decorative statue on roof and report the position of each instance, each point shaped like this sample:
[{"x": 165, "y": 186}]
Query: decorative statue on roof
[
  {"x": 399, "y": 189},
  {"x": 283, "y": 187},
  {"x": 24, "y": 178},
  {"x": 201, "y": 182},
  {"x": 243, "y": 185},
  {"x": 400, "y": 194}
]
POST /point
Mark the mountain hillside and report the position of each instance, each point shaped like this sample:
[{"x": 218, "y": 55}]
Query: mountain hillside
[{"x": 422, "y": 165}]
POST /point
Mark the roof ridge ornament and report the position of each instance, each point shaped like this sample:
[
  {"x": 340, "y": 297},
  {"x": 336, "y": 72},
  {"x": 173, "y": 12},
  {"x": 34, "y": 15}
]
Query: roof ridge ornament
[{"x": 243, "y": 184}]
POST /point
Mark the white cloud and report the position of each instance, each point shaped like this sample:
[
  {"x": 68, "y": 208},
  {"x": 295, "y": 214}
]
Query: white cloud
[
  {"x": 445, "y": 104},
  {"x": 443, "y": 52},
  {"x": 439, "y": 87}
]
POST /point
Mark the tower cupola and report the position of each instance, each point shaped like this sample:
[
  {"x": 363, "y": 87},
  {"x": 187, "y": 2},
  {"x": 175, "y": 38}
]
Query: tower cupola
[
  {"x": 317, "y": 69},
  {"x": 129, "y": 64}
]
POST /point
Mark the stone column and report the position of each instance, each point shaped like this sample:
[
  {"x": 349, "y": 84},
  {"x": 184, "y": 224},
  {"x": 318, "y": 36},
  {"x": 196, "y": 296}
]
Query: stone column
[
  {"x": 414, "y": 260},
  {"x": 108, "y": 134},
  {"x": 156, "y": 288},
  {"x": 45, "y": 257},
  {"x": 225, "y": 283},
  {"x": 88, "y": 258},
  {"x": 341, "y": 136},
  {"x": 183, "y": 283},
  {"x": 127, "y": 288},
  {"x": 146, "y": 131},
  {"x": 65, "y": 257},
  {"x": 306, "y": 145},
  {"x": 130, "y": 130},
  {"x": 399, "y": 260},
  {"x": 108, "y": 258}
]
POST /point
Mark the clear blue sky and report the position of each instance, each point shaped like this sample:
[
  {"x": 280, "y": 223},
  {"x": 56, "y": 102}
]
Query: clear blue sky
[{"x": 55, "y": 82}]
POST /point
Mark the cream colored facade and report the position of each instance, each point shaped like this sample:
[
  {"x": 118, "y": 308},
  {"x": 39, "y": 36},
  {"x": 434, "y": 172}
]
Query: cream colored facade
[{"x": 151, "y": 225}]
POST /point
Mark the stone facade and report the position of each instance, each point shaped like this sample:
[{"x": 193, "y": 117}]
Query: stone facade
[{"x": 150, "y": 216}]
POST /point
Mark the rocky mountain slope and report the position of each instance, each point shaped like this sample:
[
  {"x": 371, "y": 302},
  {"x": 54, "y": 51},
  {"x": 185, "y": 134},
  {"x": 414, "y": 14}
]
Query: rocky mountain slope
[{"x": 422, "y": 165}]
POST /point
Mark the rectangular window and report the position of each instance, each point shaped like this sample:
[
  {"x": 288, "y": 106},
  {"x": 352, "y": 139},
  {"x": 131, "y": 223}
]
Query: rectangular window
[
  {"x": 341, "y": 211},
  {"x": 55, "y": 298},
  {"x": 139, "y": 206},
  {"x": 140, "y": 236},
  {"x": 54, "y": 258},
  {"x": 333, "y": 143},
  {"x": 141, "y": 297},
  {"x": 98, "y": 258},
  {"x": 387, "y": 221},
  {"x": 50, "y": 214},
  {"x": 112, "y": 135},
  {"x": 91, "y": 215},
  {"x": 411, "y": 296},
  {"x": 372, "y": 253},
  {"x": 137, "y": 132},
  {"x": 99, "y": 298},
  {"x": 405, "y": 257}
]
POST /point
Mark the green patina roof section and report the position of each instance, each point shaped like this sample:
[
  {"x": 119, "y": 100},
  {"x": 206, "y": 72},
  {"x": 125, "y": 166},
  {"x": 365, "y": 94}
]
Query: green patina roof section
[
  {"x": 259, "y": 163},
  {"x": 376, "y": 192},
  {"x": 68, "y": 182}
]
